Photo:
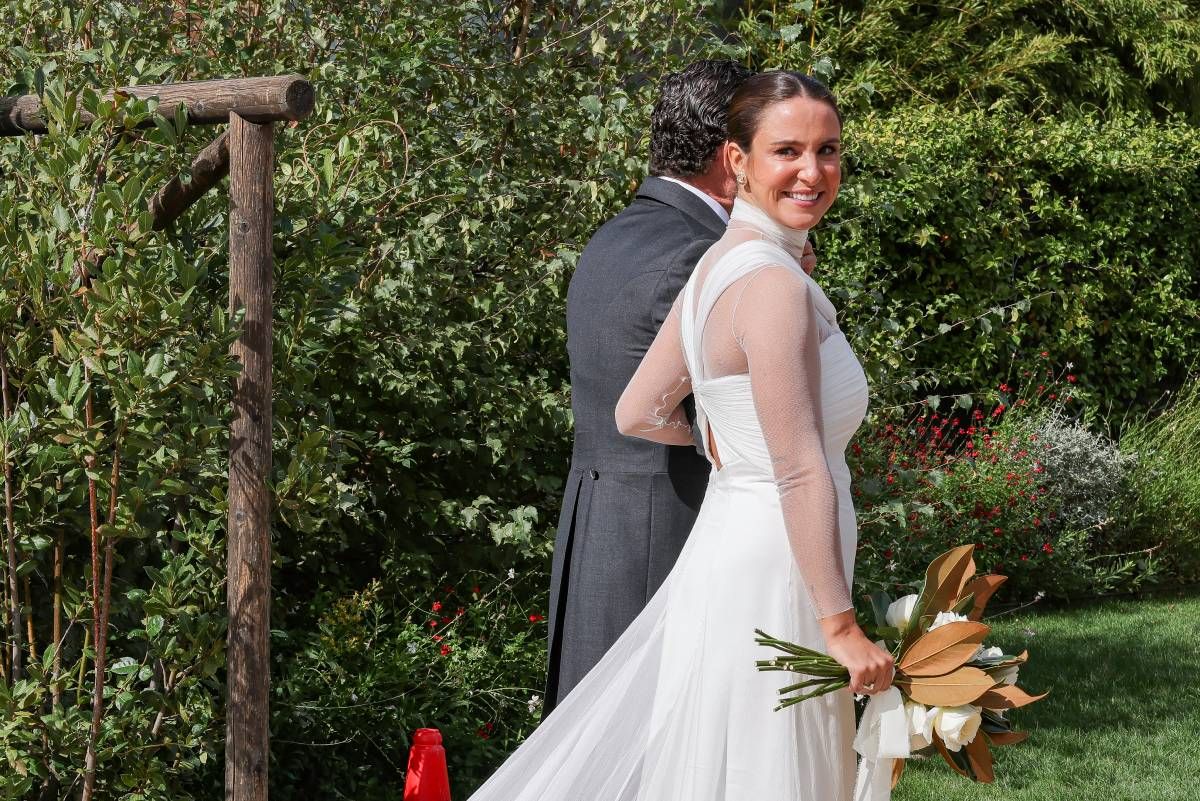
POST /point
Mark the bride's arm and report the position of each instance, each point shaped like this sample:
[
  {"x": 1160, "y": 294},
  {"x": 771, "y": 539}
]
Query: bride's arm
[
  {"x": 650, "y": 405},
  {"x": 776, "y": 325},
  {"x": 779, "y": 336}
]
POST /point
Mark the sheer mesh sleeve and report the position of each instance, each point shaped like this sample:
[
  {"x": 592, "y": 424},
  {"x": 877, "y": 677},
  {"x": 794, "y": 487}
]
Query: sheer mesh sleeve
[
  {"x": 775, "y": 324},
  {"x": 650, "y": 407}
]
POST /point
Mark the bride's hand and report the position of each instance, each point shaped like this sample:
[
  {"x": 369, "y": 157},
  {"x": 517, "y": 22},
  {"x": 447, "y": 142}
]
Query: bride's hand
[{"x": 871, "y": 667}]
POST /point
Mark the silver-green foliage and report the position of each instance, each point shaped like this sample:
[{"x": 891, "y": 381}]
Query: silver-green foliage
[{"x": 1085, "y": 471}]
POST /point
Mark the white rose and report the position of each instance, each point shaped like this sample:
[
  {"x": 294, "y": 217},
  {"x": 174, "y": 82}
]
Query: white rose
[
  {"x": 957, "y": 725},
  {"x": 987, "y": 652},
  {"x": 946, "y": 617},
  {"x": 920, "y": 724},
  {"x": 900, "y": 610}
]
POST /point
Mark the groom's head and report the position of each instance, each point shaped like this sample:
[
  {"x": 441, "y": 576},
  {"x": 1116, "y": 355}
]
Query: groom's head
[{"x": 688, "y": 126}]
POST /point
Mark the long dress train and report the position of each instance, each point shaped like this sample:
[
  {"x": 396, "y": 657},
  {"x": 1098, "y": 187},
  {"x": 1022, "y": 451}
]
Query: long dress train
[{"x": 676, "y": 710}]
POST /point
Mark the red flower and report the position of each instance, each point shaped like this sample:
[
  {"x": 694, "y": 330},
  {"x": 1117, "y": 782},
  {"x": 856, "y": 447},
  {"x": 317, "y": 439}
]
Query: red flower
[
  {"x": 1004, "y": 387},
  {"x": 1024, "y": 557},
  {"x": 475, "y": 590},
  {"x": 1071, "y": 378},
  {"x": 433, "y": 624},
  {"x": 437, "y": 638},
  {"x": 437, "y": 606},
  {"x": 999, "y": 532},
  {"x": 446, "y": 649},
  {"x": 1045, "y": 353},
  {"x": 535, "y": 618},
  {"x": 1047, "y": 547}
]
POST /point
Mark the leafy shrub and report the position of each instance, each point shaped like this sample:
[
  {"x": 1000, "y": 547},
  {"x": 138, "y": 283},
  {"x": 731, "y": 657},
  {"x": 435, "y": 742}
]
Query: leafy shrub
[
  {"x": 1160, "y": 512},
  {"x": 964, "y": 239},
  {"x": 1085, "y": 471},
  {"x": 467, "y": 658},
  {"x": 1037, "y": 56},
  {"x": 1030, "y": 486}
]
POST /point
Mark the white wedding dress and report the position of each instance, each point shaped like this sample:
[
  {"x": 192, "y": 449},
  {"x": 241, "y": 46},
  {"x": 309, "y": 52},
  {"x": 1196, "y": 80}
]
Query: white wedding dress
[{"x": 676, "y": 710}]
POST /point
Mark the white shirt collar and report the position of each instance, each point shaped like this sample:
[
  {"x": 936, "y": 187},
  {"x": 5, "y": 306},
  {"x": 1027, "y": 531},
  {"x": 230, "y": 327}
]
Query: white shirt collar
[{"x": 717, "y": 208}]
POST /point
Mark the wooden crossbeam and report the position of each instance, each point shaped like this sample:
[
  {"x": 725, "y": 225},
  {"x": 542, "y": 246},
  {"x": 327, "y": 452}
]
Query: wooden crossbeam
[
  {"x": 208, "y": 168},
  {"x": 278, "y": 98}
]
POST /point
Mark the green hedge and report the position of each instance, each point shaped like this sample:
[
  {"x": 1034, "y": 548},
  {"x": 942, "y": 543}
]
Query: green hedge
[{"x": 971, "y": 239}]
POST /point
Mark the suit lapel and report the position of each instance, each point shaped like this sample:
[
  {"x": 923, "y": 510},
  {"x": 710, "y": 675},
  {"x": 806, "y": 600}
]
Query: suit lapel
[{"x": 674, "y": 195}]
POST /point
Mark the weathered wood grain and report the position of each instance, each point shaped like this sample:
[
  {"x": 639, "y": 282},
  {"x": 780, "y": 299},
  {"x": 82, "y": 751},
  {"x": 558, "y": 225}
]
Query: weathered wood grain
[
  {"x": 251, "y": 208},
  {"x": 278, "y": 98}
]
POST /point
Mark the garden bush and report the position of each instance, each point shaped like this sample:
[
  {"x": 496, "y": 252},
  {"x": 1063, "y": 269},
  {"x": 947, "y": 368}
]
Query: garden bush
[
  {"x": 1161, "y": 509},
  {"x": 965, "y": 240},
  {"x": 1047, "y": 501}
]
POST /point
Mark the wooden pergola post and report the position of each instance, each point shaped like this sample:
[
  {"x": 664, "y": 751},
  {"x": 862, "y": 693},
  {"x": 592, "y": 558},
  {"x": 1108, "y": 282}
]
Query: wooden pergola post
[
  {"x": 251, "y": 210},
  {"x": 251, "y": 106}
]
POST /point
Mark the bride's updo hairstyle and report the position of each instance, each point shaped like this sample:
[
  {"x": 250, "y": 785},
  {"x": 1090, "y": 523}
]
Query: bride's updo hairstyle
[{"x": 764, "y": 90}]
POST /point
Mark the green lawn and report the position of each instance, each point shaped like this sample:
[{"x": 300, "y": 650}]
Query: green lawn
[{"x": 1121, "y": 723}]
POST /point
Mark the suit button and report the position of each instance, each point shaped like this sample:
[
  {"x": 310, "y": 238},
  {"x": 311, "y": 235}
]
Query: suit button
[{"x": 594, "y": 475}]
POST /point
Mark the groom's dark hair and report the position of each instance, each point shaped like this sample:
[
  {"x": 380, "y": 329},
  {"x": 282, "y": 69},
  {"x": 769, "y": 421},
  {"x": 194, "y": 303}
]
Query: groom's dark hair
[{"x": 690, "y": 116}]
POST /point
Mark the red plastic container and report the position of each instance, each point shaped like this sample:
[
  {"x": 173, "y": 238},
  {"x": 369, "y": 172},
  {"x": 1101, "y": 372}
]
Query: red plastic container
[{"x": 427, "y": 778}]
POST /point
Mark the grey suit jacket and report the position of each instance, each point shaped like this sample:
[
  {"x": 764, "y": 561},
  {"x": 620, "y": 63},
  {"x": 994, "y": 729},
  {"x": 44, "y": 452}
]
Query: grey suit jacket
[{"x": 629, "y": 503}]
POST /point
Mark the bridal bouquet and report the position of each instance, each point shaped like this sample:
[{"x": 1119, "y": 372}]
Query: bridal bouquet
[{"x": 951, "y": 693}]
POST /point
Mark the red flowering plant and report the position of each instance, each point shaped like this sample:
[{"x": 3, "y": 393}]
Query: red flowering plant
[
  {"x": 948, "y": 471},
  {"x": 465, "y": 655}
]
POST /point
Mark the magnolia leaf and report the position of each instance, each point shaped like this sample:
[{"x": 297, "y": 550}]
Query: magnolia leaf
[
  {"x": 982, "y": 588},
  {"x": 1007, "y": 696},
  {"x": 944, "y": 580},
  {"x": 980, "y": 759},
  {"x": 955, "y": 759},
  {"x": 942, "y": 650},
  {"x": 963, "y": 686},
  {"x": 1007, "y": 737}
]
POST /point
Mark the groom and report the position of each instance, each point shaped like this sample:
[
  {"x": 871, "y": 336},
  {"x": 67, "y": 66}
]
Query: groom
[{"x": 630, "y": 503}]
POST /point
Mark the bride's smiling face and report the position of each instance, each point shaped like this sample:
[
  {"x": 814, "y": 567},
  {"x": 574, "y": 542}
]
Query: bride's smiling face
[{"x": 793, "y": 168}]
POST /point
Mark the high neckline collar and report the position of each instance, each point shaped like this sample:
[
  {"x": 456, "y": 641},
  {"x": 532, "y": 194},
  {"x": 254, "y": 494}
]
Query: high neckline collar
[{"x": 751, "y": 216}]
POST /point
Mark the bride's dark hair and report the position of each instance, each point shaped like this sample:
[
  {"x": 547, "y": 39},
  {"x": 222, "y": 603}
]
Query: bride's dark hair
[{"x": 766, "y": 89}]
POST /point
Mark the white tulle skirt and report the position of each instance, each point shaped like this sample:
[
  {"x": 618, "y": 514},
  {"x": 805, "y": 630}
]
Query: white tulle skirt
[{"x": 676, "y": 710}]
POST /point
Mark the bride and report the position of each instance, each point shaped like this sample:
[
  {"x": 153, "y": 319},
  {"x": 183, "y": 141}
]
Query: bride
[{"x": 676, "y": 710}]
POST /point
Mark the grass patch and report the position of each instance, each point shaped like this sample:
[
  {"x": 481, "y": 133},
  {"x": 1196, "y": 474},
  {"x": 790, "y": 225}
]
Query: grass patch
[{"x": 1122, "y": 720}]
